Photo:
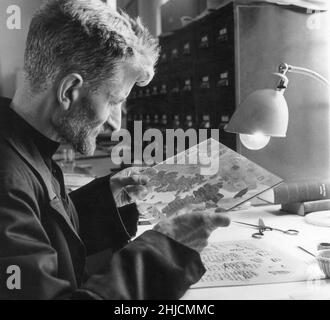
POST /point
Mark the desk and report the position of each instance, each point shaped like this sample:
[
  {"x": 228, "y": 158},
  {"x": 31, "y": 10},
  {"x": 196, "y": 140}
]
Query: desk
[
  {"x": 98, "y": 165},
  {"x": 309, "y": 236}
]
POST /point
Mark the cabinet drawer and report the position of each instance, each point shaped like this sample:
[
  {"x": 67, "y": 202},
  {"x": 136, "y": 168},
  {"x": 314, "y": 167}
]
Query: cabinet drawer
[
  {"x": 204, "y": 39},
  {"x": 204, "y": 80},
  {"x": 186, "y": 44},
  {"x": 224, "y": 81},
  {"x": 223, "y": 26},
  {"x": 174, "y": 50},
  {"x": 164, "y": 57},
  {"x": 187, "y": 84},
  {"x": 206, "y": 113}
]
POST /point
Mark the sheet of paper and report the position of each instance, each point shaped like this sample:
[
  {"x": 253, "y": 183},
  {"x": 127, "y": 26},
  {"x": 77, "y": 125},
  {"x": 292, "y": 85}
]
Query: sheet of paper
[
  {"x": 74, "y": 181},
  {"x": 250, "y": 262},
  {"x": 209, "y": 176},
  {"x": 313, "y": 293}
]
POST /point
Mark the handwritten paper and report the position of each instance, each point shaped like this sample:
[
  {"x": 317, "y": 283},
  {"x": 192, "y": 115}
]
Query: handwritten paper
[{"x": 249, "y": 262}]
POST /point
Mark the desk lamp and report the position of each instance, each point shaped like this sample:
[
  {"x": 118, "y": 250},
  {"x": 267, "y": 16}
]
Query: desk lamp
[{"x": 264, "y": 113}]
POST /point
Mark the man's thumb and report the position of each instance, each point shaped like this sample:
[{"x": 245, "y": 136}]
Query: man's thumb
[{"x": 218, "y": 220}]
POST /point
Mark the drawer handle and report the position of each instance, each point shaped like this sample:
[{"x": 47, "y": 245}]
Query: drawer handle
[
  {"x": 175, "y": 90},
  {"x": 187, "y": 85},
  {"x": 204, "y": 42},
  {"x": 156, "y": 119},
  {"x": 186, "y": 49},
  {"x": 154, "y": 91},
  {"x": 205, "y": 84},
  {"x": 223, "y": 80},
  {"x": 163, "y": 90},
  {"x": 163, "y": 57},
  {"x": 175, "y": 54},
  {"x": 147, "y": 119},
  {"x": 222, "y": 35},
  {"x": 147, "y": 94}
]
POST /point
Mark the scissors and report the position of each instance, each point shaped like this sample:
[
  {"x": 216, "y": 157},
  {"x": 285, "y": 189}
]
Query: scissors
[{"x": 262, "y": 227}]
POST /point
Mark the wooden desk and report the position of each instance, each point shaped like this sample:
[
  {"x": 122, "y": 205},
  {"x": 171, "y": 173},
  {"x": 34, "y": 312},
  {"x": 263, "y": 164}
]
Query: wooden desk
[{"x": 309, "y": 236}]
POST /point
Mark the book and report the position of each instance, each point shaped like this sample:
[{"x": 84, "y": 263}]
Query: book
[
  {"x": 303, "y": 208},
  {"x": 209, "y": 176},
  {"x": 74, "y": 181},
  {"x": 301, "y": 191}
]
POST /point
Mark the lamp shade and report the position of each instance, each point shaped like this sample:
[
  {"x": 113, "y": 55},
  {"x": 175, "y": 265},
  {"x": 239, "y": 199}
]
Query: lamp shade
[{"x": 264, "y": 111}]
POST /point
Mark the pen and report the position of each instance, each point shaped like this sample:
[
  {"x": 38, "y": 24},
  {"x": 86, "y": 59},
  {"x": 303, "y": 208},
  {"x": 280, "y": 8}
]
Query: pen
[{"x": 301, "y": 248}]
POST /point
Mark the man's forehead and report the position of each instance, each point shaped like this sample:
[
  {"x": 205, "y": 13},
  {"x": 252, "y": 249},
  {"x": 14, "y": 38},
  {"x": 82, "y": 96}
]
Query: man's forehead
[{"x": 129, "y": 73}]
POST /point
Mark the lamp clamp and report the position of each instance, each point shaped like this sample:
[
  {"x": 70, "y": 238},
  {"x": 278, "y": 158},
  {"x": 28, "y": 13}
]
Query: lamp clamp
[{"x": 283, "y": 82}]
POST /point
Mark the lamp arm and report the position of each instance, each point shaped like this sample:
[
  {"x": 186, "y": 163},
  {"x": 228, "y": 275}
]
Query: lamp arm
[{"x": 306, "y": 72}]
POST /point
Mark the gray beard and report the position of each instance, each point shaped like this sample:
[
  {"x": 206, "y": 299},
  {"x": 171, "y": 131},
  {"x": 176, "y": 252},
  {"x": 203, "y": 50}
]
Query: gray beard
[{"x": 76, "y": 128}]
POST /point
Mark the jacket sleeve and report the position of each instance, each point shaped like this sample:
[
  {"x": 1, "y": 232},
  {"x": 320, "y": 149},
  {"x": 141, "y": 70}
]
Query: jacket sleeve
[
  {"x": 101, "y": 224},
  {"x": 152, "y": 266}
]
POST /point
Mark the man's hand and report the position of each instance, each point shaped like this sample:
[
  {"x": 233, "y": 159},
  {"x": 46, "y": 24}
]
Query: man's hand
[
  {"x": 192, "y": 229},
  {"x": 130, "y": 185}
]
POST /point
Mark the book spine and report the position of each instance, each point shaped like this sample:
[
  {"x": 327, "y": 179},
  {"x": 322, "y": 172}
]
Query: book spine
[
  {"x": 301, "y": 191},
  {"x": 319, "y": 205},
  {"x": 303, "y": 208}
]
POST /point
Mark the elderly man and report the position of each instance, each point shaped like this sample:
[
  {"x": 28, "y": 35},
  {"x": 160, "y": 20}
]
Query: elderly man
[{"x": 81, "y": 61}]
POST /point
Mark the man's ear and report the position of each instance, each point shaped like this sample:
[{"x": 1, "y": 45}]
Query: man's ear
[{"x": 68, "y": 90}]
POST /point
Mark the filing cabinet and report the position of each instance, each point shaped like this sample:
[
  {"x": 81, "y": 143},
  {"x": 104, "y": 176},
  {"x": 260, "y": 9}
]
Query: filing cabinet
[
  {"x": 209, "y": 66},
  {"x": 194, "y": 83}
]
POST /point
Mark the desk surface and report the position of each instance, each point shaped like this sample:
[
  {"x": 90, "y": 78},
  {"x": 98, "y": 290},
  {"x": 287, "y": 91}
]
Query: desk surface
[{"x": 309, "y": 236}]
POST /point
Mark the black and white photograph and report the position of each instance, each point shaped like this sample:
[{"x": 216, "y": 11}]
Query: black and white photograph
[{"x": 170, "y": 151}]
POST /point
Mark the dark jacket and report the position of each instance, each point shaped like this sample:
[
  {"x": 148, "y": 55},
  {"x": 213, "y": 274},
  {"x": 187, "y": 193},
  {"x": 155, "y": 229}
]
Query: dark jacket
[{"x": 49, "y": 239}]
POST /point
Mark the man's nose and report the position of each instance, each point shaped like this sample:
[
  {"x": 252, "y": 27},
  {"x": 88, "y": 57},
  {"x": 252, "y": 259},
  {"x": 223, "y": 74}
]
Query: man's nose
[
  {"x": 146, "y": 77},
  {"x": 114, "y": 119}
]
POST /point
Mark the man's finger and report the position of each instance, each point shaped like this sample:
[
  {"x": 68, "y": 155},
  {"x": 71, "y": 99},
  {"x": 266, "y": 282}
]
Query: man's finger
[
  {"x": 147, "y": 171},
  {"x": 186, "y": 208},
  {"x": 134, "y": 180},
  {"x": 150, "y": 171},
  {"x": 216, "y": 220},
  {"x": 135, "y": 170},
  {"x": 136, "y": 192}
]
